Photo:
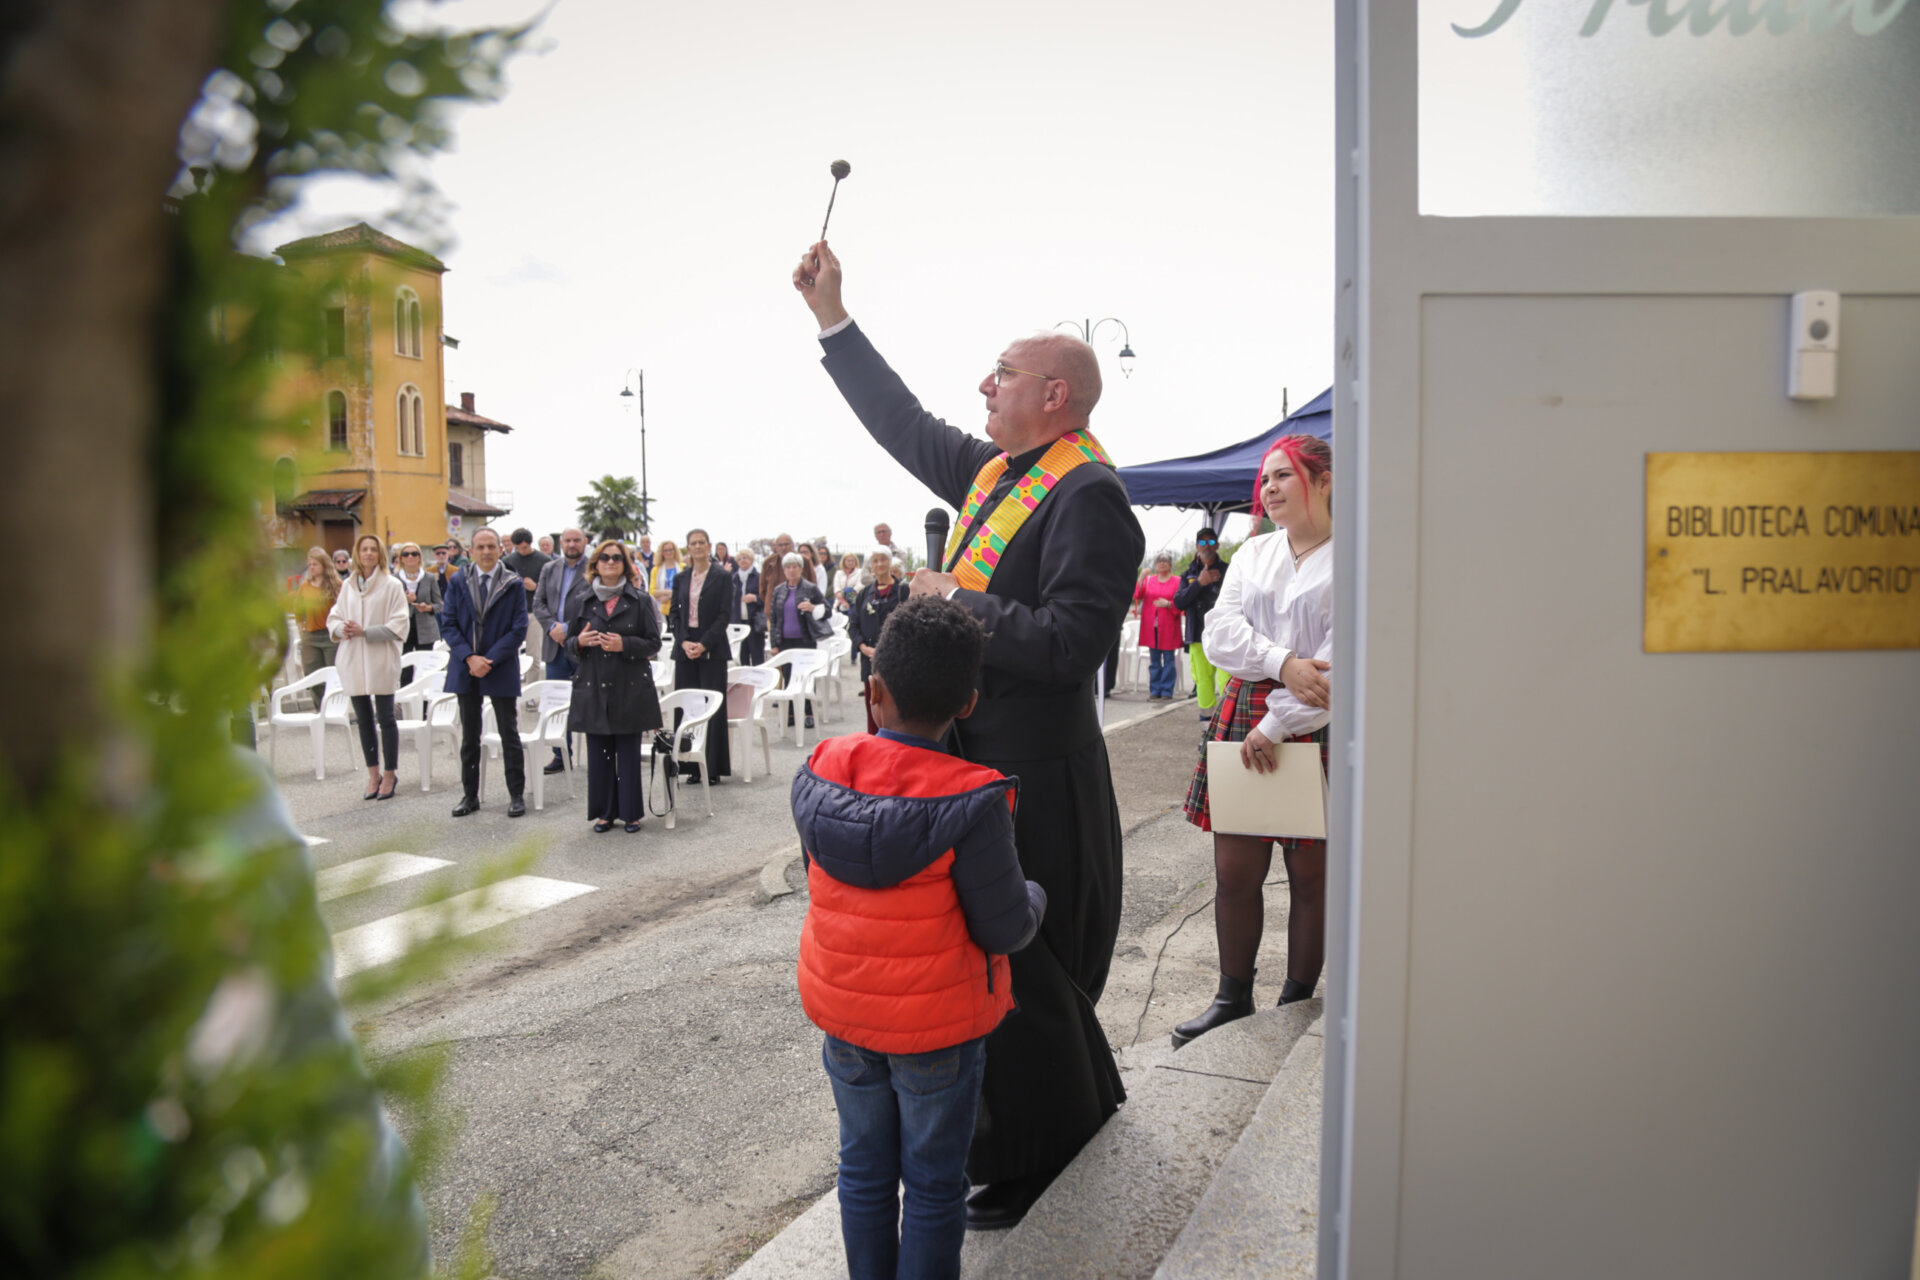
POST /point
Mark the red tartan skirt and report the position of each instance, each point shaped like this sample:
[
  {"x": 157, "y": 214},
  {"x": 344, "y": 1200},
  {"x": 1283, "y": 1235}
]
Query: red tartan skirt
[{"x": 1240, "y": 709}]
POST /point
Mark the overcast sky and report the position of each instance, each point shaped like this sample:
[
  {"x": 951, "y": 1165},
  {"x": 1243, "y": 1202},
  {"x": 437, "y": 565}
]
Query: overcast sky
[{"x": 641, "y": 196}]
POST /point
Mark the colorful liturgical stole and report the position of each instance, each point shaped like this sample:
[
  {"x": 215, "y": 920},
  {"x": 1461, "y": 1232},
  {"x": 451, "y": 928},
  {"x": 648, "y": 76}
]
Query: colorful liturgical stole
[{"x": 991, "y": 537}]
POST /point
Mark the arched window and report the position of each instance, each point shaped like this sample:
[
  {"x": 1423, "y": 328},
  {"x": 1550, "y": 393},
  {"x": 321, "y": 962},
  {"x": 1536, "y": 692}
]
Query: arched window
[
  {"x": 286, "y": 478},
  {"x": 337, "y": 420},
  {"x": 406, "y": 323},
  {"x": 410, "y": 413}
]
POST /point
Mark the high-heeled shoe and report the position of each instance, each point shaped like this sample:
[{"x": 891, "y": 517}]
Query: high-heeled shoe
[
  {"x": 1234, "y": 1001},
  {"x": 388, "y": 793}
]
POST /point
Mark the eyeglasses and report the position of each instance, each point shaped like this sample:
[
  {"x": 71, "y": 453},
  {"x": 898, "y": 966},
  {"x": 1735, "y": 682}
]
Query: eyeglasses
[
  {"x": 1002, "y": 369},
  {"x": 610, "y": 558},
  {"x": 409, "y": 555}
]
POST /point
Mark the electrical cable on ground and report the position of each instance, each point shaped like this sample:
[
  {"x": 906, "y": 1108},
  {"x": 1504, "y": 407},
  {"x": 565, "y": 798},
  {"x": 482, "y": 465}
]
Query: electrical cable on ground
[{"x": 1154, "y": 979}]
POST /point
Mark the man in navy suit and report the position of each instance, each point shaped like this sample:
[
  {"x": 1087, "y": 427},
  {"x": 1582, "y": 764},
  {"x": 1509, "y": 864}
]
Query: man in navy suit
[{"x": 483, "y": 619}]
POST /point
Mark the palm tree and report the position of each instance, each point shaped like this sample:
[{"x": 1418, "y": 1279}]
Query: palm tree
[{"x": 614, "y": 503}]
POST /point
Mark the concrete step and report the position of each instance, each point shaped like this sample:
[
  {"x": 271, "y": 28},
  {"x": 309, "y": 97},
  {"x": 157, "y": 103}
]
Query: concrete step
[
  {"x": 1120, "y": 1205},
  {"x": 1261, "y": 1217}
]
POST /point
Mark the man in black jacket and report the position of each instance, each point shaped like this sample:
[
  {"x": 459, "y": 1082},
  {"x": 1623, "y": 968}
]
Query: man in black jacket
[
  {"x": 1050, "y": 579},
  {"x": 1199, "y": 590}
]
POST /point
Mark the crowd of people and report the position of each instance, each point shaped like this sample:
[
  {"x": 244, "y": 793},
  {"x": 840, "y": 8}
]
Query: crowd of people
[{"x": 592, "y": 616}]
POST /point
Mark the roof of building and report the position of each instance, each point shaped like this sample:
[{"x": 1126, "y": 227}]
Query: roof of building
[
  {"x": 363, "y": 237},
  {"x": 328, "y": 500},
  {"x": 463, "y": 505},
  {"x": 459, "y": 417}
]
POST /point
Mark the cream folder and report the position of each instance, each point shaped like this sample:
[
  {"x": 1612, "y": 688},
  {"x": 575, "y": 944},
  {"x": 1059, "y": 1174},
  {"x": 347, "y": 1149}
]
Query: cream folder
[{"x": 1288, "y": 801}]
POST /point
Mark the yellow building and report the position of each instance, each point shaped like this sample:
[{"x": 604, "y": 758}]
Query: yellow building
[{"x": 378, "y": 450}]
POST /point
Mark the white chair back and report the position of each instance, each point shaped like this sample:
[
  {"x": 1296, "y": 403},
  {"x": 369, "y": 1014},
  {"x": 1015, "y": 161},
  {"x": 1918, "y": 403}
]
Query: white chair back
[
  {"x": 662, "y": 675},
  {"x": 700, "y": 706},
  {"x": 736, "y": 632}
]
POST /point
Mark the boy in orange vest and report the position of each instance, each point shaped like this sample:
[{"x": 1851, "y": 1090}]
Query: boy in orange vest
[{"x": 917, "y": 897}]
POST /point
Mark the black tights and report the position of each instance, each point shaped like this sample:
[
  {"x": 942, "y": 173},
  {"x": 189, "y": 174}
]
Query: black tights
[
  {"x": 1240, "y": 866},
  {"x": 369, "y": 710}
]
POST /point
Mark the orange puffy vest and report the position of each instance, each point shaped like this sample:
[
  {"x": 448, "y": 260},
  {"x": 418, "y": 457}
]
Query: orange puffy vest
[{"x": 892, "y": 968}]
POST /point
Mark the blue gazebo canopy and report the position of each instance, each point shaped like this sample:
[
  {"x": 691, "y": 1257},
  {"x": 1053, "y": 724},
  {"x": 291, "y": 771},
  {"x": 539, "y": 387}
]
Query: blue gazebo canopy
[{"x": 1223, "y": 479}]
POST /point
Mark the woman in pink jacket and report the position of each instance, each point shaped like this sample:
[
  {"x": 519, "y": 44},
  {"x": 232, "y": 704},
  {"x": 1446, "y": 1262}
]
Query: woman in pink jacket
[{"x": 1159, "y": 626}]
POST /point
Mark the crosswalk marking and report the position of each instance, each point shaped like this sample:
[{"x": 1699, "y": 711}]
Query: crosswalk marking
[
  {"x": 379, "y": 941},
  {"x": 370, "y": 873}
]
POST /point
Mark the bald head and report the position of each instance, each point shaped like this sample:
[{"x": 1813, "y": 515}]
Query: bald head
[{"x": 1063, "y": 356}]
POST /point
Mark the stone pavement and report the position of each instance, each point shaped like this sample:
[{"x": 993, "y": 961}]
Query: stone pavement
[{"x": 640, "y": 1092}]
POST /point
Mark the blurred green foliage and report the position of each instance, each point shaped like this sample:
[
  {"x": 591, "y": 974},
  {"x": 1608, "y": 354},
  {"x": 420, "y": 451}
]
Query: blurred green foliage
[{"x": 179, "y": 1091}]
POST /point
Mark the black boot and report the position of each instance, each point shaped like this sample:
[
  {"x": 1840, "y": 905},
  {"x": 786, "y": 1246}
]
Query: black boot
[
  {"x": 1291, "y": 991},
  {"x": 1234, "y": 1001}
]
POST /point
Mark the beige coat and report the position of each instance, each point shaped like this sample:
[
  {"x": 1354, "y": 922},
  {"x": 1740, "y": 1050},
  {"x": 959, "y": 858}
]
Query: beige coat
[{"x": 366, "y": 664}]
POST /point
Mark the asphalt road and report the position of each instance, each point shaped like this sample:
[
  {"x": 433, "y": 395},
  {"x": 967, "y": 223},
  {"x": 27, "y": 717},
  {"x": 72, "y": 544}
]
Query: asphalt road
[{"x": 639, "y": 1093}]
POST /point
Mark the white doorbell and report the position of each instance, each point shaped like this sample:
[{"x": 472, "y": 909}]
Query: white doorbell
[{"x": 1813, "y": 356}]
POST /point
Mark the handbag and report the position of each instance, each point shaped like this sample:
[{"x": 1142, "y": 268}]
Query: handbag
[{"x": 662, "y": 751}]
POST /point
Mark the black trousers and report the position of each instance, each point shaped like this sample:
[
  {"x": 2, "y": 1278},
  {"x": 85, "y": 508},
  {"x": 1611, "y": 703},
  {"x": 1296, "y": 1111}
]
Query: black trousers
[
  {"x": 616, "y": 787},
  {"x": 753, "y": 650},
  {"x": 709, "y": 672},
  {"x": 369, "y": 711},
  {"x": 506, "y": 714}
]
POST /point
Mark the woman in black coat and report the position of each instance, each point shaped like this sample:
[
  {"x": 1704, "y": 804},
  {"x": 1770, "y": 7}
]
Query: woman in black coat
[
  {"x": 699, "y": 624},
  {"x": 612, "y": 640},
  {"x": 871, "y": 609},
  {"x": 796, "y": 613}
]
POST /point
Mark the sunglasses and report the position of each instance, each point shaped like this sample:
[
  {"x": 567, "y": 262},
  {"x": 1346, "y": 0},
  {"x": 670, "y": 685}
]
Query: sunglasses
[
  {"x": 1207, "y": 542},
  {"x": 409, "y": 555},
  {"x": 612, "y": 559}
]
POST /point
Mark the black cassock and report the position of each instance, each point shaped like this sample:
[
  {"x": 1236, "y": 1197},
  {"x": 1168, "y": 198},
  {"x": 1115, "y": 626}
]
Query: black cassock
[{"x": 1053, "y": 605}]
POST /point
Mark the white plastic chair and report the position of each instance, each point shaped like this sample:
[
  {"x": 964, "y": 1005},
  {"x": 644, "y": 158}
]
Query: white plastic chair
[
  {"x": 438, "y": 716},
  {"x": 835, "y": 651},
  {"x": 690, "y": 739},
  {"x": 736, "y": 632},
  {"x": 550, "y": 730},
  {"x": 747, "y": 690},
  {"x": 662, "y": 676},
  {"x": 802, "y": 667},
  {"x": 333, "y": 710}
]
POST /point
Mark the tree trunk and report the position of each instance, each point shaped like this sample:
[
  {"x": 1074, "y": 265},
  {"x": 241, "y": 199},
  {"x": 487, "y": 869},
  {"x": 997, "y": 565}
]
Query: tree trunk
[{"x": 92, "y": 93}]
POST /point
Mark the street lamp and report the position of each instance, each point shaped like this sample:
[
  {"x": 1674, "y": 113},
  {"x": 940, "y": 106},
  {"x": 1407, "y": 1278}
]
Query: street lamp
[
  {"x": 636, "y": 391},
  {"x": 1087, "y": 328}
]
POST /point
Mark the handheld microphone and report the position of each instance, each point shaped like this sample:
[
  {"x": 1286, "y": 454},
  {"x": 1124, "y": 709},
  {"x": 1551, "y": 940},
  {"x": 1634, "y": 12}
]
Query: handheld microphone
[{"x": 937, "y": 539}]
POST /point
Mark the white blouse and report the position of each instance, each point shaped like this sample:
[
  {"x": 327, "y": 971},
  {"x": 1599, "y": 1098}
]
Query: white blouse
[{"x": 1266, "y": 610}]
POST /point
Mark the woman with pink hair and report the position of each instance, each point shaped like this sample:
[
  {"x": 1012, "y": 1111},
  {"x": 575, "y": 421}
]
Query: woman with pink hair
[{"x": 1272, "y": 632}]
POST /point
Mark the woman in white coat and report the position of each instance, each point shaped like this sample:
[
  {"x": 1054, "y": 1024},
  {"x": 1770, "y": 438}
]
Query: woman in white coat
[
  {"x": 1272, "y": 631},
  {"x": 369, "y": 621}
]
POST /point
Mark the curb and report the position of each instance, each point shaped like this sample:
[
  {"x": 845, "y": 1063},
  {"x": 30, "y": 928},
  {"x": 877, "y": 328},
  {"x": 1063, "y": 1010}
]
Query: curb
[{"x": 1178, "y": 704}]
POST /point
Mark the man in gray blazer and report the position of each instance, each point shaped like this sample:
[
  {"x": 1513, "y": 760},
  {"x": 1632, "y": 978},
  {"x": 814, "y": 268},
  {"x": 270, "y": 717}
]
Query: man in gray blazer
[{"x": 563, "y": 584}]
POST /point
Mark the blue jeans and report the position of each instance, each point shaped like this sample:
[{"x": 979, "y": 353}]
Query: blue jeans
[
  {"x": 1160, "y": 671},
  {"x": 904, "y": 1117}
]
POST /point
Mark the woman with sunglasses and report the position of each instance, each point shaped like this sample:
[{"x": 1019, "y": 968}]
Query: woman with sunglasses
[
  {"x": 1199, "y": 591},
  {"x": 612, "y": 639},
  {"x": 368, "y": 620},
  {"x": 1272, "y": 632},
  {"x": 423, "y": 599}
]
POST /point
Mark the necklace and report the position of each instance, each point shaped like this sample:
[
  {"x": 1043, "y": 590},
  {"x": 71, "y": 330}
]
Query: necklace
[{"x": 1298, "y": 556}]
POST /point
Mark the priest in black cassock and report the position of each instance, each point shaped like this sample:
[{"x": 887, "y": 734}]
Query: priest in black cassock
[{"x": 1049, "y": 572}]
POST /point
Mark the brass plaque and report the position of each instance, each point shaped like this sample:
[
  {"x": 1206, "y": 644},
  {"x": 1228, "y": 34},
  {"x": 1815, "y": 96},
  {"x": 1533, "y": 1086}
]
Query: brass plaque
[{"x": 1750, "y": 552}]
